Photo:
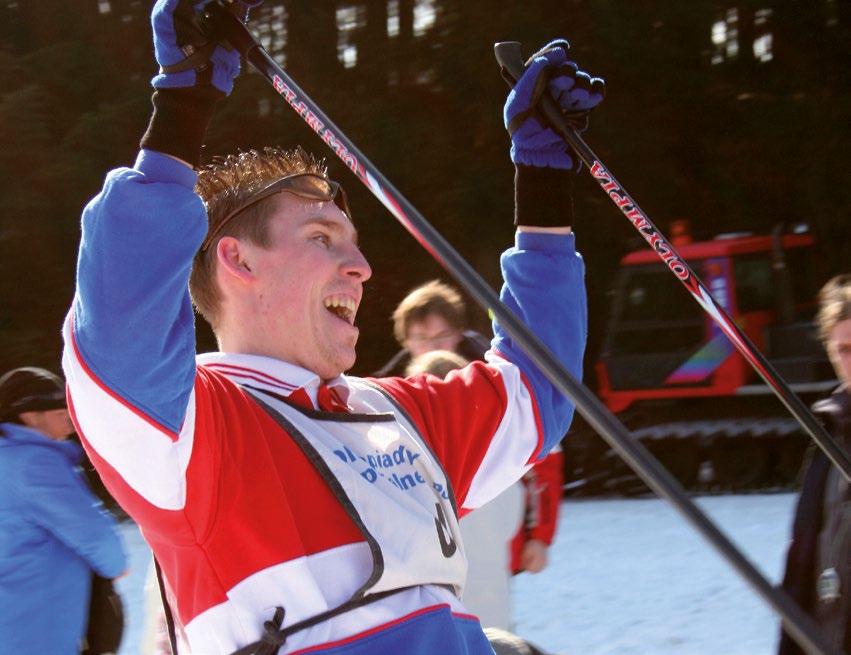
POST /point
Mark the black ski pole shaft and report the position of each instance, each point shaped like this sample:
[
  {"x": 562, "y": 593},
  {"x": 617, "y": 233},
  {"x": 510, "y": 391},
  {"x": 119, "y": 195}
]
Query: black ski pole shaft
[
  {"x": 508, "y": 55},
  {"x": 227, "y": 27}
]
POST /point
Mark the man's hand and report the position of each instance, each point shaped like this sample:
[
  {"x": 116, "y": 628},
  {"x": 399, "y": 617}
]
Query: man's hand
[
  {"x": 575, "y": 92},
  {"x": 186, "y": 55},
  {"x": 534, "y": 557},
  {"x": 196, "y": 71}
]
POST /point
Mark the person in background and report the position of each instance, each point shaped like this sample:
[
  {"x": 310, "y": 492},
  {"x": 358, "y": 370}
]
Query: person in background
[
  {"x": 54, "y": 532},
  {"x": 818, "y": 562},
  {"x": 432, "y": 317},
  {"x": 436, "y": 362},
  {"x": 542, "y": 485}
]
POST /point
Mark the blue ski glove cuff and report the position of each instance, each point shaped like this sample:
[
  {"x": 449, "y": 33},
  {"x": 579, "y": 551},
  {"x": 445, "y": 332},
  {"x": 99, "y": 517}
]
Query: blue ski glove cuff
[
  {"x": 543, "y": 197},
  {"x": 574, "y": 91},
  {"x": 179, "y": 122}
]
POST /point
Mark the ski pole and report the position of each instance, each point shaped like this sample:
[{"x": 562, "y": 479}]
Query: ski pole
[
  {"x": 508, "y": 55},
  {"x": 227, "y": 27}
]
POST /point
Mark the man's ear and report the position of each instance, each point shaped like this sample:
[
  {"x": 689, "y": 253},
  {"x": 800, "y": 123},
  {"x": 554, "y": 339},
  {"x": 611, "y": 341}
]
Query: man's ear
[
  {"x": 29, "y": 419},
  {"x": 233, "y": 258}
]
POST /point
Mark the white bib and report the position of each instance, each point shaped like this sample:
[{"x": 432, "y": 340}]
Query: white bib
[{"x": 390, "y": 483}]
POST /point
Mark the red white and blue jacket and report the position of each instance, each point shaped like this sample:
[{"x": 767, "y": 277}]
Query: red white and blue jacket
[{"x": 250, "y": 499}]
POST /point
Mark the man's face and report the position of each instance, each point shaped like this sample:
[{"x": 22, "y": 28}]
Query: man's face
[
  {"x": 53, "y": 423},
  {"x": 839, "y": 350},
  {"x": 308, "y": 286},
  {"x": 431, "y": 333}
]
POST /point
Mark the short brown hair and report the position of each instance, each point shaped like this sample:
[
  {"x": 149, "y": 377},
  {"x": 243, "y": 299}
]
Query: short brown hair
[
  {"x": 433, "y": 297},
  {"x": 436, "y": 362},
  {"x": 224, "y": 186},
  {"x": 834, "y": 304}
]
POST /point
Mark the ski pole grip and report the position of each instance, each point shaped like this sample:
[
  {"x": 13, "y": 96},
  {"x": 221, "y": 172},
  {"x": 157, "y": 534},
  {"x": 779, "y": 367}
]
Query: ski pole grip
[
  {"x": 223, "y": 21},
  {"x": 509, "y": 56}
]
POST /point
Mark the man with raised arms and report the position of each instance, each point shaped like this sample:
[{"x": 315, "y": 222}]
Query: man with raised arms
[{"x": 250, "y": 470}]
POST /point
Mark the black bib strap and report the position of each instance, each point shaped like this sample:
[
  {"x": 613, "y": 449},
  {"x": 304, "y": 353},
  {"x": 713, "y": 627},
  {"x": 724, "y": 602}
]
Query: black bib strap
[{"x": 275, "y": 637}]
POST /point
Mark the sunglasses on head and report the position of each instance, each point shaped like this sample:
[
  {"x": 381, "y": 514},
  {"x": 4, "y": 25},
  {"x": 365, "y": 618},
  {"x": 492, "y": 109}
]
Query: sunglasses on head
[{"x": 304, "y": 185}]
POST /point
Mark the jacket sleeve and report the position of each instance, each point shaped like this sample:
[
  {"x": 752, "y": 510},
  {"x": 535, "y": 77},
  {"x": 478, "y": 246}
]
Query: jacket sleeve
[
  {"x": 129, "y": 356},
  {"x": 131, "y": 321},
  {"x": 61, "y": 503},
  {"x": 544, "y": 489},
  {"x": 544, "y": 284}
]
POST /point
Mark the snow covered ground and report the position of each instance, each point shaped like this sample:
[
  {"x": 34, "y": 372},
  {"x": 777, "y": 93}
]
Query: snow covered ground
[
  {"x": 630, "y": 577},
  {"x": 626, "y": 577}
]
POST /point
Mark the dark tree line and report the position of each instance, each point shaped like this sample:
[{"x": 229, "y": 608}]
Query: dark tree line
[{"x": 739, "y": 144}]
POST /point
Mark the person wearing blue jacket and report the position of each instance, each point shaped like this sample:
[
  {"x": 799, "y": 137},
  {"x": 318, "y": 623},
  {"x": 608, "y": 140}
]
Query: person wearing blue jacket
[{"x": 54, "y": 531}]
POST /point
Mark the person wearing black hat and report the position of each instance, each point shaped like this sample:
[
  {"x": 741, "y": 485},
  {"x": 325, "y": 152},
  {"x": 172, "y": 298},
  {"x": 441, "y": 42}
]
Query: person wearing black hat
[
  {"x": 35, "y": 398},
  {"x": 53, "y": 530}
]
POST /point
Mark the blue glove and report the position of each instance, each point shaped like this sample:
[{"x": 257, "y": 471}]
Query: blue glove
[
  {"x": 575, "y": 92},
  {"x": 186, "y": 55}
]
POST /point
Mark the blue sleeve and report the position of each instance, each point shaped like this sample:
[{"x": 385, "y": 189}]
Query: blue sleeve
[
  {"x": 62, "y": 504},
  {"x": 132, "y": 315},
  {"x": 545, "y": 287}
]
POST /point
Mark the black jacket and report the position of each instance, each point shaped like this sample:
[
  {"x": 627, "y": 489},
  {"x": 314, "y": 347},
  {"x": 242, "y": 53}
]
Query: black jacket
[{"x": 818, "y": 564}]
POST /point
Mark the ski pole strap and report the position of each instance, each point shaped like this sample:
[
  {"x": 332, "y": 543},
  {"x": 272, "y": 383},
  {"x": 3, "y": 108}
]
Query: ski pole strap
[
  {"x": 197, "y": 57},
  {"x": 274, "y": 637}
]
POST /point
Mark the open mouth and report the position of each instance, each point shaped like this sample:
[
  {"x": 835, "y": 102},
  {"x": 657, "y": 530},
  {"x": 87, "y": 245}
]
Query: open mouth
[{"x": 342, "y": 307}]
